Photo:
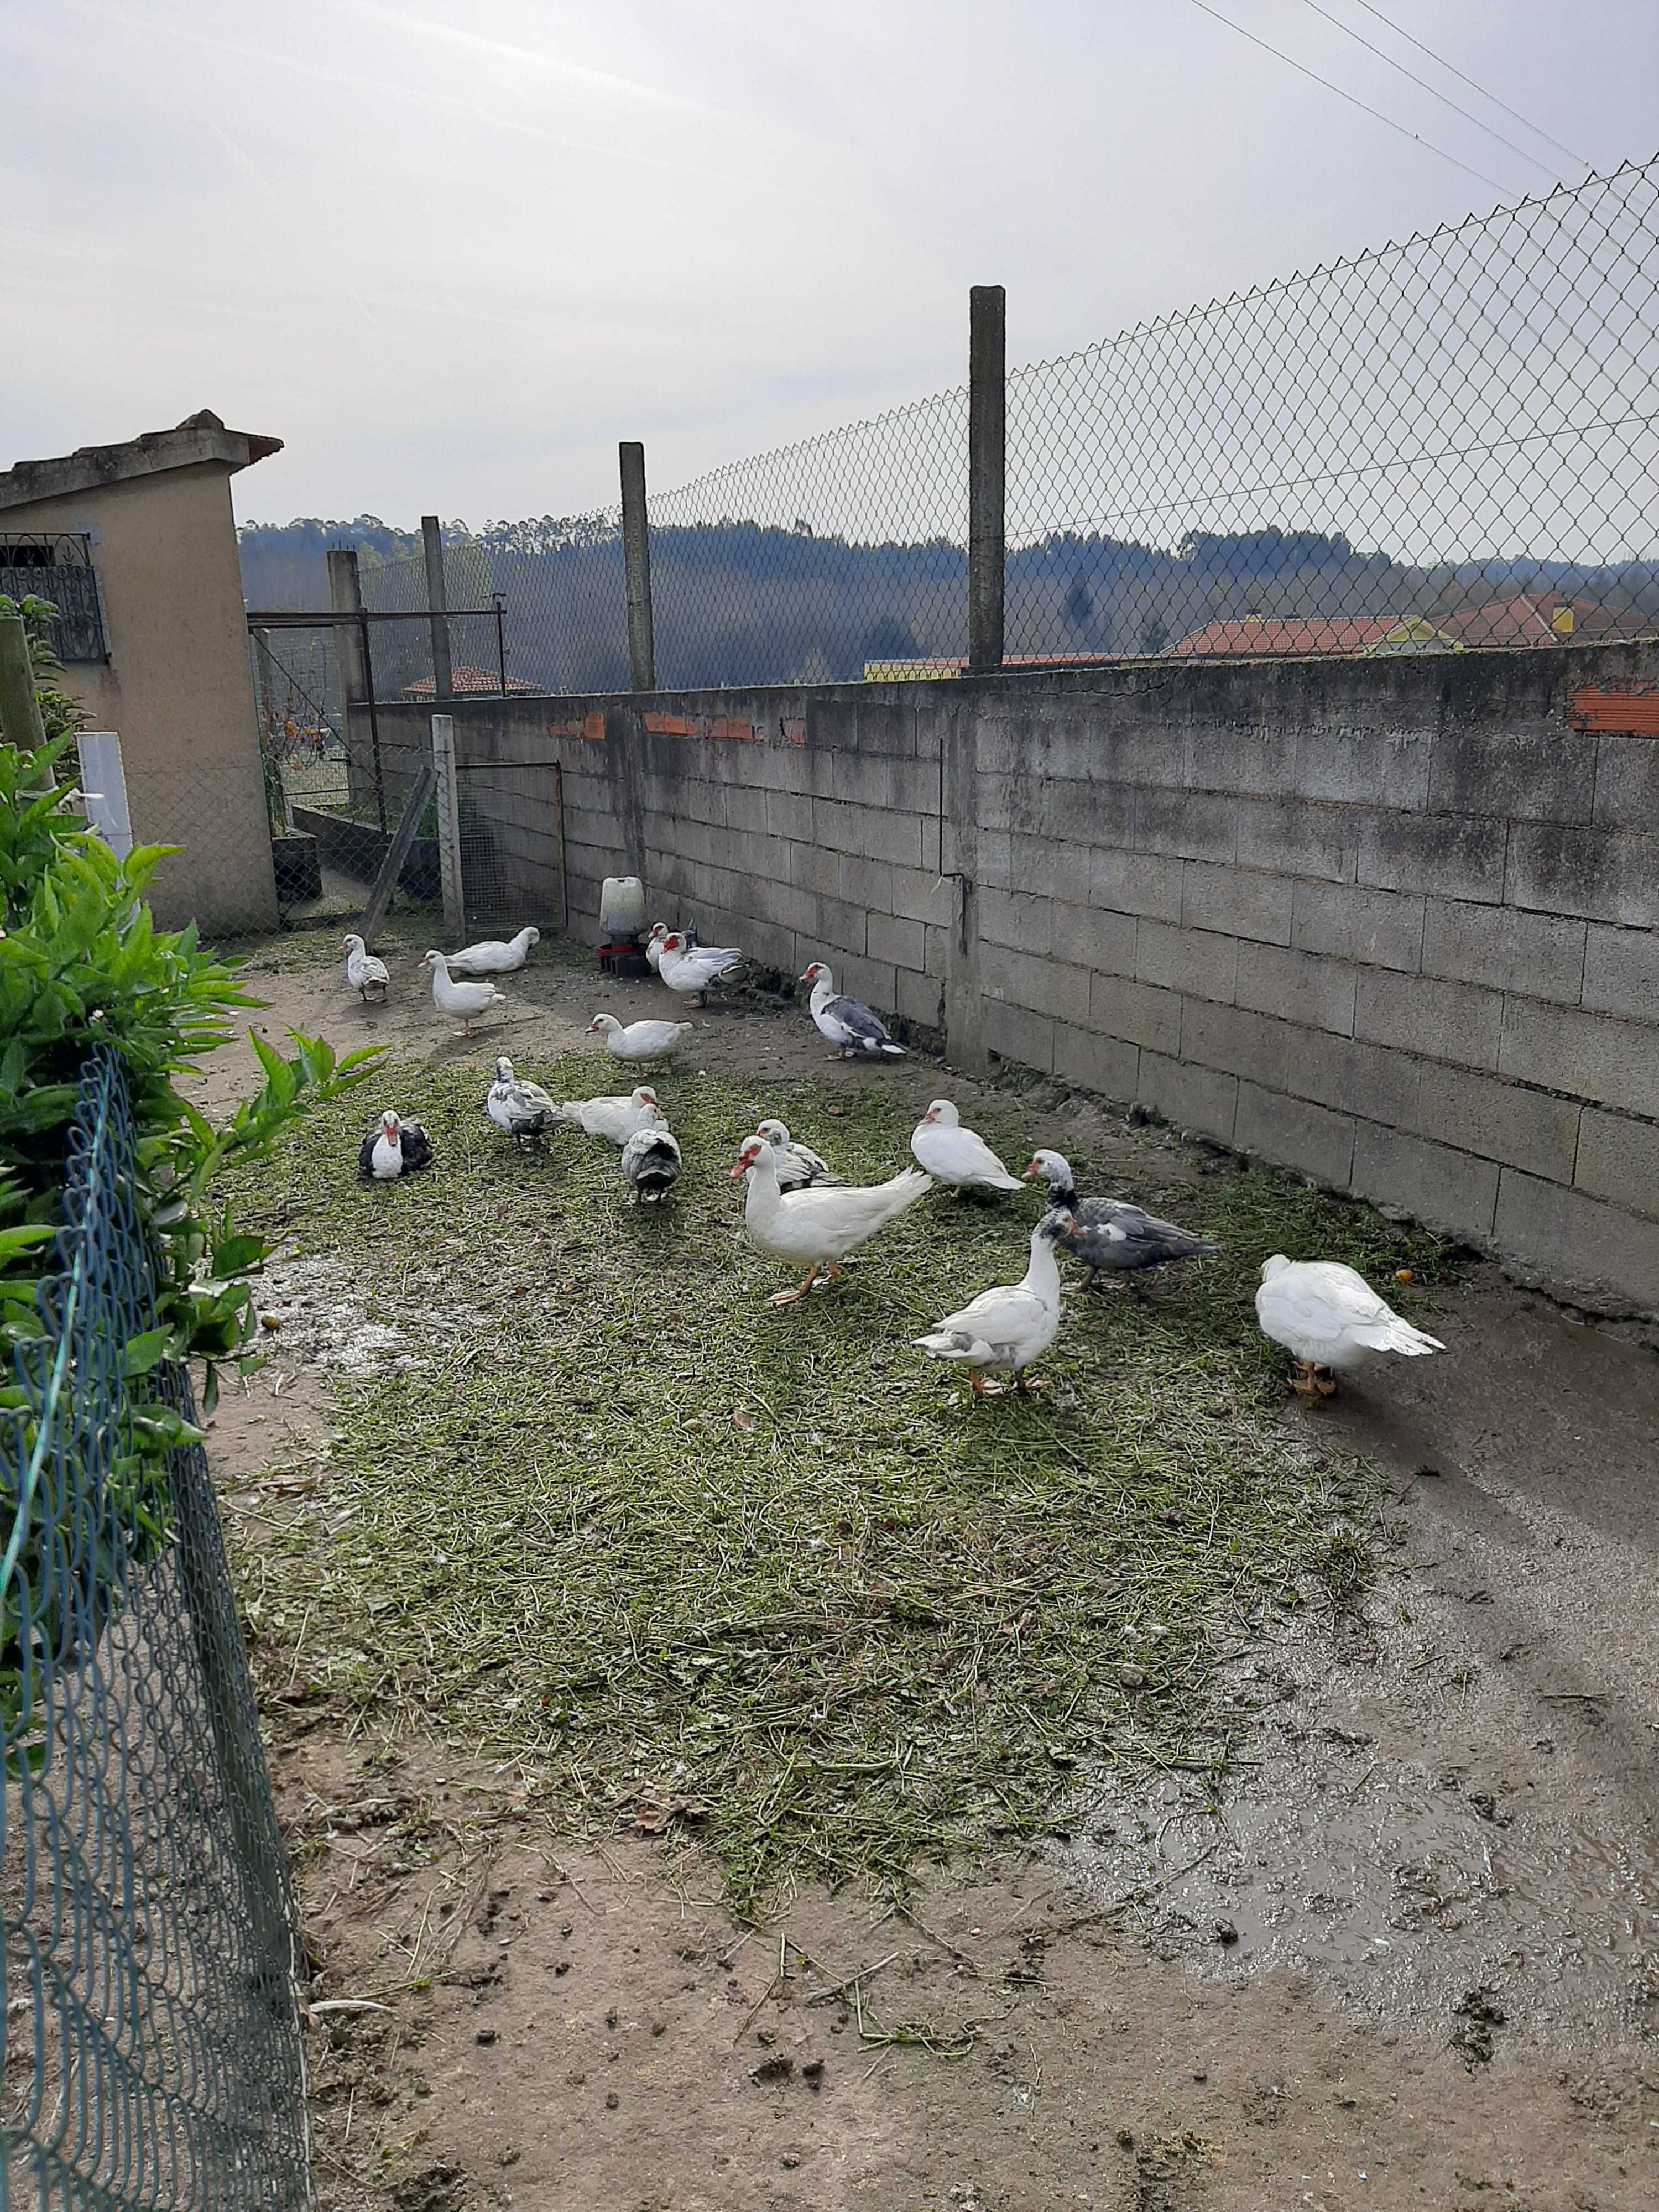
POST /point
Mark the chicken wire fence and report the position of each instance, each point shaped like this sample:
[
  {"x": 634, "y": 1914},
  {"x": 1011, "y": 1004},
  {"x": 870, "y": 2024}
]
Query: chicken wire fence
[
  {"x": 152, "y": 2055},
  {"x": 1445, "y": 443}
]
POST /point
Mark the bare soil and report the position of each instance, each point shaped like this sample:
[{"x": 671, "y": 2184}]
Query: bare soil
[{"x": 1413, "y": 1963}]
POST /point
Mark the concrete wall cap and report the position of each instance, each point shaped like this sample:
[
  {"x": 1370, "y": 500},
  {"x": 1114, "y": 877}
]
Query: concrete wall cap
[{"x": 201, "y": 437}]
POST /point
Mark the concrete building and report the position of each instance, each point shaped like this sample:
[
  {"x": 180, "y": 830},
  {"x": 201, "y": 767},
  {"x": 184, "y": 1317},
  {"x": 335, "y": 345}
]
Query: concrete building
[{"x": 137, "y": 544}]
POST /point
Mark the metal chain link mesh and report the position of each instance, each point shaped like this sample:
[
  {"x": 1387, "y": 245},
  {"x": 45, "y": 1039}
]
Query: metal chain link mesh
[{"x": 153, "y": 2054}]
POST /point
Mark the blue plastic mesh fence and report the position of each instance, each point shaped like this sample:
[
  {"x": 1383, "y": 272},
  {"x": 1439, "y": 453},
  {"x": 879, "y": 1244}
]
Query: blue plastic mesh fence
[{"x": 153, "y": 2054}]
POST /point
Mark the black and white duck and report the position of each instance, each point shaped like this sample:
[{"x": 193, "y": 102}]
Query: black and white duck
[
  {"x": 1112, "y": 1236},
  {"x": 397, "y": 1145}
]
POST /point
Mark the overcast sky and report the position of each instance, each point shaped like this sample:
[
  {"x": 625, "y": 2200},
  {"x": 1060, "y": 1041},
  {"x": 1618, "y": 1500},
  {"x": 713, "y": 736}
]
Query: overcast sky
[{"x": 452, "y": 253}]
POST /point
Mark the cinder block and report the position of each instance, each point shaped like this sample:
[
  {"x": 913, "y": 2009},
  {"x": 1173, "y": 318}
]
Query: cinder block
[
  {"x": 1627, "y": 783},
  {"x": 1455, "y": 1022},
  {"x": 1448, "y": 1190},
  {"x": 1591, "y": 1057},
  {"x": 1349, "y": 921},
  {"x": 909, "y": 785},
  {"x": 815, "y": 869},
  {"x": 1530, "y": 775},
  {"x": 922, "y": 998},
  {"x": 1020, "y": 918},
  {"x": 789, "y": 814},
  {"x": 1191, "y": 960},
  {"x": 768, "y": 943},
  {"x": 1053, "y": 865},
  {"x": 1573, "y": 1241},
  {"x": 1137, "y": 882},
  {"x": 932, "y": 840},
  {"x": 1105, "y": 1066},
  {"x": 1240, "y": 758},
  {"x": 901, "y": 943},
  {"x": 1065, "y": 812},
  {"x": 1295, "y": 1134},
  {"x": 1605, "y": 875},
  {"x": 1621, "y": 973},
  {"x": 1299, "y": 987},
  {"x": 868, "y": 830},
  {"x": 1356, "y": 1078},
  {"x": 1456, "y": 855},
  {"x": 1387, "y": 766},
  {"x": 1185, "y": 826},
  {"x": 1093, "y": 937},
  {"x": 1618, "y": 1159},
  {"x": 1135, "y": 1013},
  {"x": 835, "y": 929},
  {"x": 746, "y": 807},
  {"x": 1047, "y": 987},
  {"x": 1006, "y": 802},
  {"x": 920, "y": 896},
  {"x": 1196, "y": 1099},
  {"x": 994, "y": 864},
  {"x": 1015, "y": 1033},
  {"x": 1290, "y": 837},
  {"x": 868, "y": 884},
  {"x": 1253, "y": 1047},
  {"x": 873, "y": 980},
  {"x": 1541, "y": 954},
  {"x": 1240, "y": 901},
  {"x": 1502, "y": 1120}
]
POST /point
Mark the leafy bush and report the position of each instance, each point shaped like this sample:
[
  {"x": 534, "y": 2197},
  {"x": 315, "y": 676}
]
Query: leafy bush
[{"x": 62, "y": 715}]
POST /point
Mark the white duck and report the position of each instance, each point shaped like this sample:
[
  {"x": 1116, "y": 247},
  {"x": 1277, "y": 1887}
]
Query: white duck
[
  {"x": 517, "y": 1106},
  {"x": 1008, "y": 1328},
  {"x": 653, "y": 943},
  {"x": 363, "y": 972},
  {"x": 847, "y": 1023},
  {"x": 955, "y": 1155},
  {"x": 640, "y": 1041},
  {"x": 815, "y": 1228},
  {"x": 1330, "y": 1320},
  {"x": 797, "y": 1165},
  {"x": 690, "y": 973},
  {"x": 615, "y": 1119},
  {"x": 495, "y": 956},
  {"x": 462, "y": 1002},
  {"x": 393, "y": 1148},
  {"x": 651, "y": 1162}
]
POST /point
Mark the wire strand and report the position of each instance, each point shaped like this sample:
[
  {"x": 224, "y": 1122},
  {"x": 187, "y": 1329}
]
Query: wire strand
[
  {"x": 1463, "y": 77},
  {"x": 1424, "y": 85},
  {"x": 1352, "y": 99}
]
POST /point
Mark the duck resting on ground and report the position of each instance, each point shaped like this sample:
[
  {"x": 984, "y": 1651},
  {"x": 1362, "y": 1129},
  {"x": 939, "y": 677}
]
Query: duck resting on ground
[
  {"x": 1005, "y": 1329},
  {"x": 517, "y": 1106},
  {"x": 495, "y": 956},
  {"x": 640, "y": 1041},
  {"x": 615, "y": 1119},
  {"x": 653, "y": 943},
  {"x": 816, "y": 1229},
  {"x": 955, "y": 1155},
  {"x": 689, "y": 974},
  {"x": 1330, "y": 1320},
  {"x": 363, "y": 972},
  {"x": 847, "y": 1023},
  {"x": 1112, "y": 1236},
  {"x": 797, "y": 1165},
  {"x": 394, "y": 1146},
  {"x": 462, "y": 1002},
  {"x": 651, "y": 1162}
]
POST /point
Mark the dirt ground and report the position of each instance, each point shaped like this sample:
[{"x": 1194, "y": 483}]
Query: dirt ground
[{"x": 1412, "y": 1963}]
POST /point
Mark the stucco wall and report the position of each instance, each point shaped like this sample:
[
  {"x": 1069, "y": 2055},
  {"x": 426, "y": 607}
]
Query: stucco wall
[
  {"x": 176, "y": 687},
  {"x": 1392, "y": 923}
]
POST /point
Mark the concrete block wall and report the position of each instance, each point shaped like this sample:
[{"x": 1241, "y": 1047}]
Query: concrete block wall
[{"x": 1392, "y": 923}]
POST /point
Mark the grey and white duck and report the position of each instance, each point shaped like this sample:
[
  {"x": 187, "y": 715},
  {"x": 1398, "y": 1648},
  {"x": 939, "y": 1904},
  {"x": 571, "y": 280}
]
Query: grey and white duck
[
  {"x": 1111, "y": 1236},
  {"x": 520, "y": 1108}
]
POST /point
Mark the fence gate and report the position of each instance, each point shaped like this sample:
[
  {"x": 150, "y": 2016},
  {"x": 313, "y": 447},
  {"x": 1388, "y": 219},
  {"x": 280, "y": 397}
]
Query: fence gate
[
  {"x": 152, "y": 2055},
  {"x": 510, "y": 817}
]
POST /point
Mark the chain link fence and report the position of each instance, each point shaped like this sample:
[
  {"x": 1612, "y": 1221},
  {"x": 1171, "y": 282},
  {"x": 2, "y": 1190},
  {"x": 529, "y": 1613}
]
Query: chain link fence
[{"x": 153, "y": 2054}]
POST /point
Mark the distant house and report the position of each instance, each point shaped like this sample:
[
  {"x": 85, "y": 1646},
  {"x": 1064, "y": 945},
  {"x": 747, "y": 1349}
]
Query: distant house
[
  {"x": 1542, "y": 618},
  {"x": 898, "y": 672},
  {"x": 464, "y": 682},
  {"x": 136, "y": 545},
  {"x": 1302, "y": 637}
]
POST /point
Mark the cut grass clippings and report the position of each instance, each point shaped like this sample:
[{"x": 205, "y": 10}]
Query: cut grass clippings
[{"x": 693, "y": 1560}]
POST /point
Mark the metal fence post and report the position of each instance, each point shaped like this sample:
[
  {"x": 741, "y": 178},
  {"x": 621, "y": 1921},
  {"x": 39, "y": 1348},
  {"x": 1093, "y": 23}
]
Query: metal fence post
[
  {"x": 636, "y": 566},
  {"x": 449, "y": 824},
  {"x": 437, "y": 600},
  {"x": 987, "y": 404}
]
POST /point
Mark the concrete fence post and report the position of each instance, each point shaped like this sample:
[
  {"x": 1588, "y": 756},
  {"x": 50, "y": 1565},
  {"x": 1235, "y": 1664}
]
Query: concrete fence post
[
  {"x": 345, "y": 596},
  {"x": 636, "y": 566},
  {"x": 437, "y": 600},
  {"x": 987, "y": 408},
  {"x": 19, "y": 710},
  {"x": 449, "y": 824}
]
